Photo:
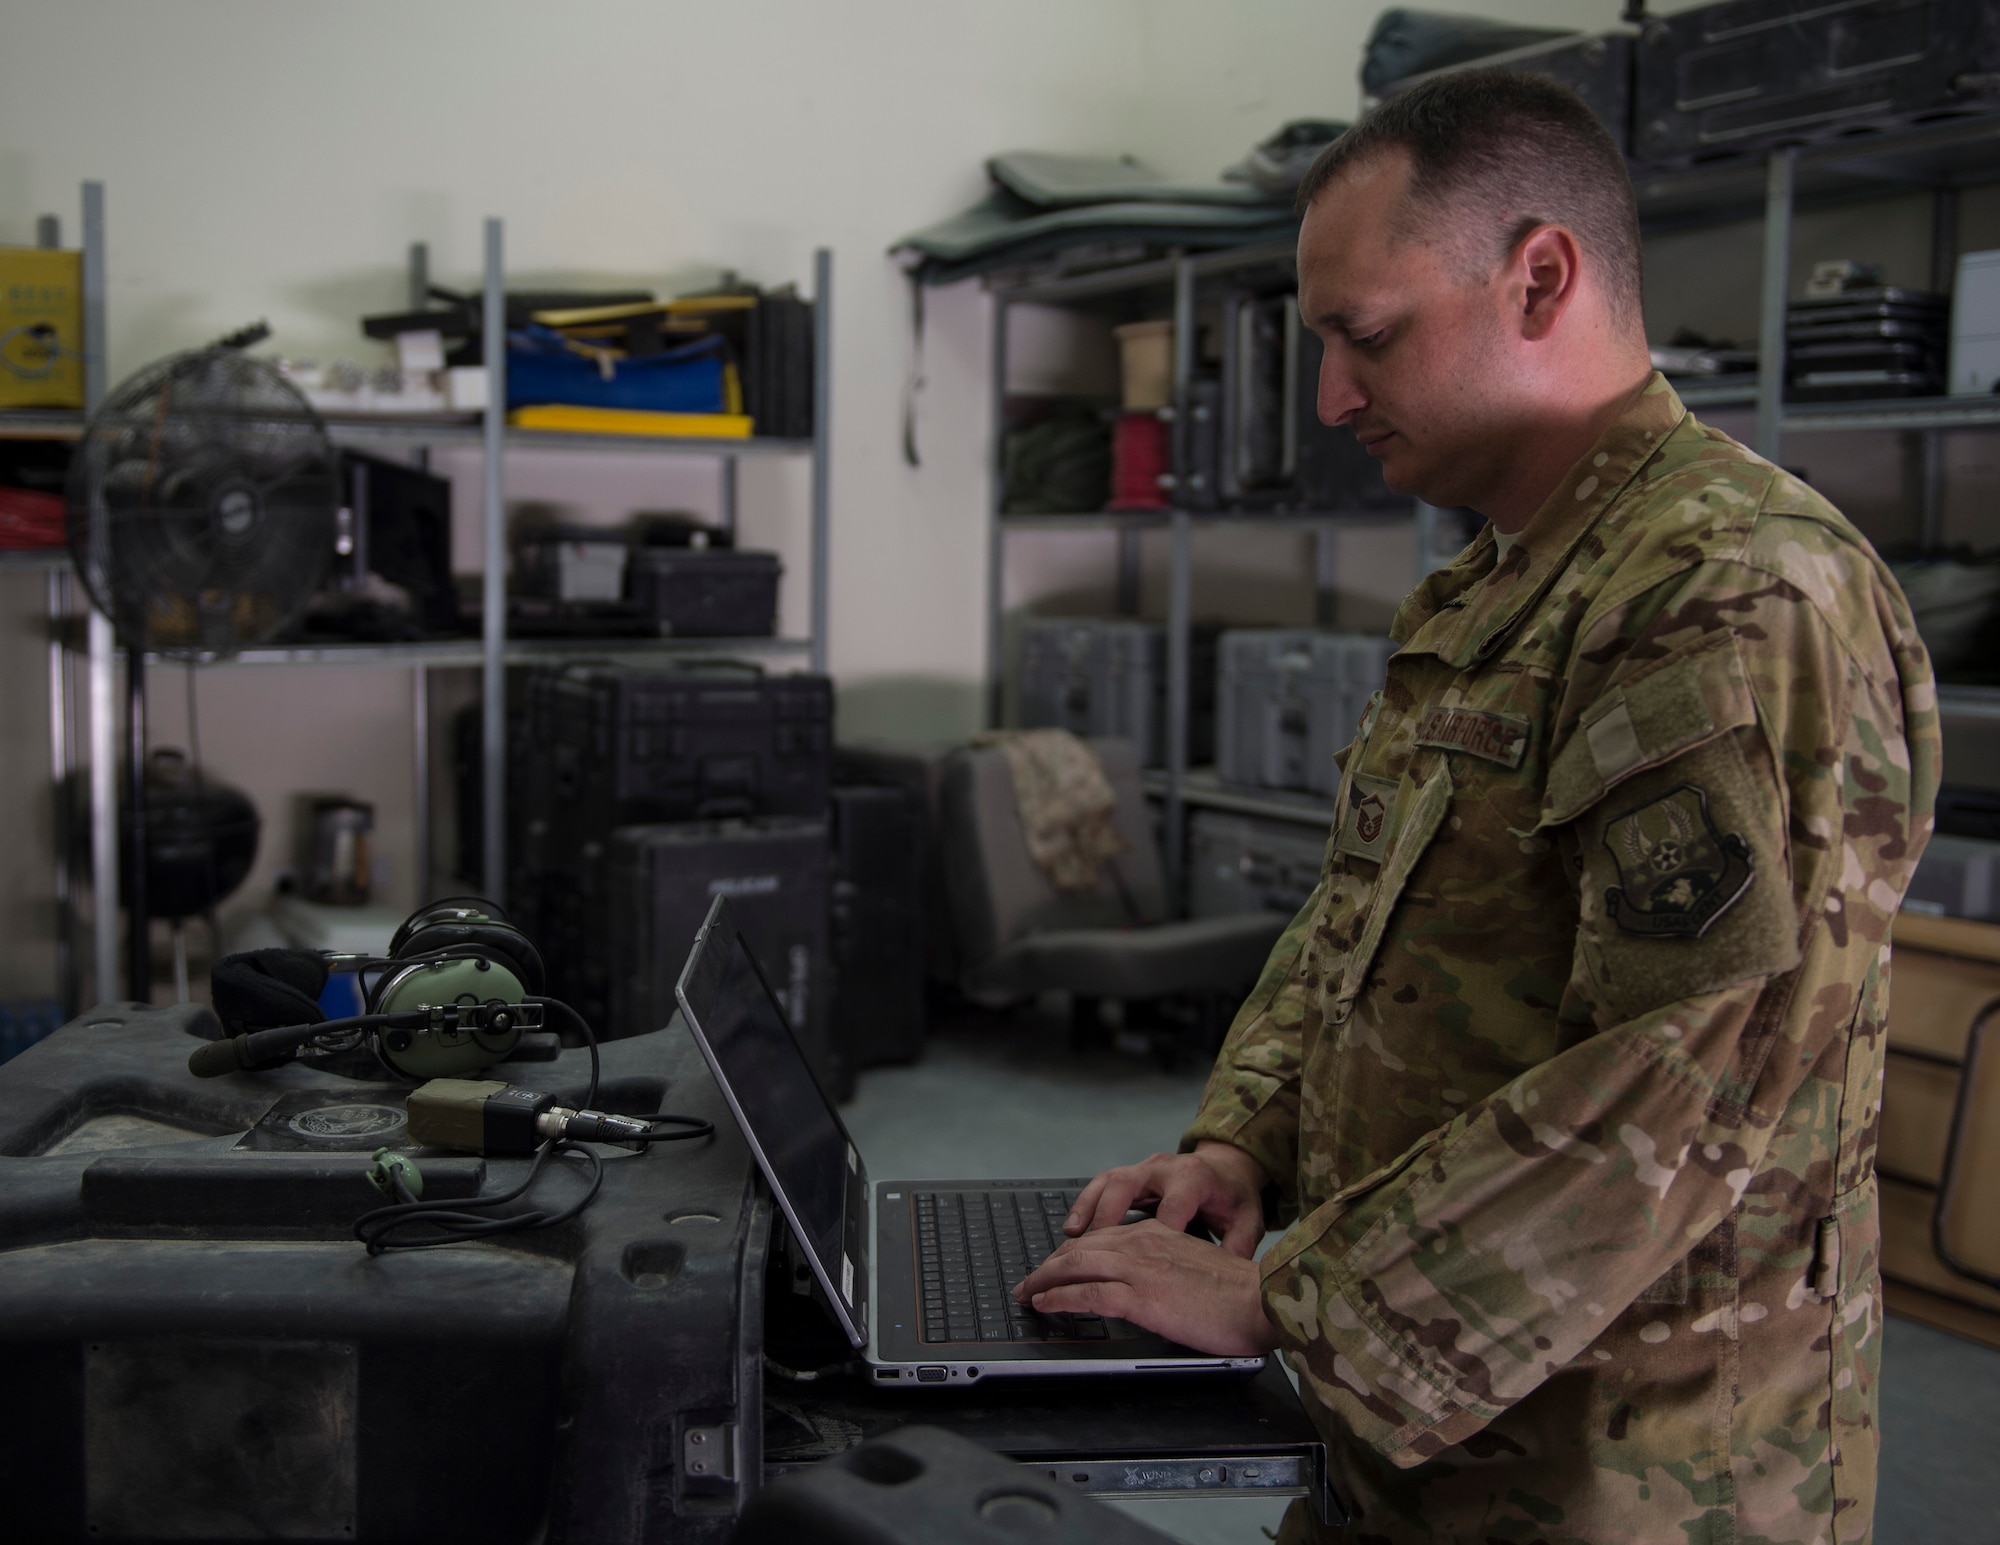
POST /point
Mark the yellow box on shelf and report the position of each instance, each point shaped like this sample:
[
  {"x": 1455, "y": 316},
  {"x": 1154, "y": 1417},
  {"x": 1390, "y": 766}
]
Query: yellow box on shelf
[
  {"x": 41, "y": 328},
  {"x": 630, "y": 421}
]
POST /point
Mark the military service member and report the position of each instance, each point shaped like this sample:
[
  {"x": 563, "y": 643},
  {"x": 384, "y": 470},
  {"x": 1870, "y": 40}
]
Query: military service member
[{"x": 1566, "y": 1079}]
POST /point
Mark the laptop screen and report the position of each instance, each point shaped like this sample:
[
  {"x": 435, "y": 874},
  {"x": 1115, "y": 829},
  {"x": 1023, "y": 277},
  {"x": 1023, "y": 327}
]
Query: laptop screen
[{"x": 804, "y": 1147}]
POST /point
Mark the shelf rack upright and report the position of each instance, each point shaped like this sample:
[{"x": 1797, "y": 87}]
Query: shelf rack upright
[
  {"x": 492, "y": 652},
  {"x": 1176, "y": 280}
]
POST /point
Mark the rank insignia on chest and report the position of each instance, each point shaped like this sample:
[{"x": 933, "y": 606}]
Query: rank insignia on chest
[
  {"x": 1679, "y": 873},
  {"x": 1364, "y": 828}
]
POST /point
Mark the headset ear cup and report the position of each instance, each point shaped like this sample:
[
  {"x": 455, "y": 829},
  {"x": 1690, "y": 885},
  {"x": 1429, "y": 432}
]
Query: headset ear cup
[
  {"x": 465, "y": 909},
  {"x": 502, "y": 941}
]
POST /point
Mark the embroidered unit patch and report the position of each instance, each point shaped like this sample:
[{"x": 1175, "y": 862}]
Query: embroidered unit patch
[
  {"x": 1678, "y": 873},
  {"x": 1478, "y": 732}
]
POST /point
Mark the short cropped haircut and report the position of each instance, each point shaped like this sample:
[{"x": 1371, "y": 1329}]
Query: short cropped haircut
[{"x": 1512, "y": 151}]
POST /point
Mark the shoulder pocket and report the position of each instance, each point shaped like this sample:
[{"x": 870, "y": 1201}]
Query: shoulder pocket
[{"x": 1688, "y": 698}]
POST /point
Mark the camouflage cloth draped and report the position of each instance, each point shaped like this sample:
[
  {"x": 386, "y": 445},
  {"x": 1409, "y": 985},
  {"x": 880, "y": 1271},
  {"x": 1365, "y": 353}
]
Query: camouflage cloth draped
[
  {"x": 1571, "y": 1068},
  {"x": 1067, "y": 805}
]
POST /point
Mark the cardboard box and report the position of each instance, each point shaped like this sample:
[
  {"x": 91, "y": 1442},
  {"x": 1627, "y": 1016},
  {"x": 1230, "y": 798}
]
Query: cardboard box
[
  {"x": 1944, "y": 1029},
  {"x": 41, "y": 328}
]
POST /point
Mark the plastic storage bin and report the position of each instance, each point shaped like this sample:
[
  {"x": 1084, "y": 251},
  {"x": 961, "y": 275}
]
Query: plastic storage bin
[
  {"x": 1286, "y": 701},
  {"x": 1241, "y": 863},
  {"x": 713, "y": 592},
  {"x": 1106, "y": 678},
  {"x": 662, "y": 881},
  {"x": 213, "y": 1355}
]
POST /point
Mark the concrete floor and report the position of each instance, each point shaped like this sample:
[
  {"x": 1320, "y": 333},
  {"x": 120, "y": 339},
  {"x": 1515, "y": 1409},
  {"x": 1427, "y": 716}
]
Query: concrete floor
[{"x": 998, "y": 1095}]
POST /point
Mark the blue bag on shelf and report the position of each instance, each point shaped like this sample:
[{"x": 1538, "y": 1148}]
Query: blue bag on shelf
[
  {"x": 26, "y": 1021},
  {"x": 542, "y": 367}
]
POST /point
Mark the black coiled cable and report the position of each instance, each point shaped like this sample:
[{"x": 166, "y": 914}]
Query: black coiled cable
[{"x": 454, "y": 1220}]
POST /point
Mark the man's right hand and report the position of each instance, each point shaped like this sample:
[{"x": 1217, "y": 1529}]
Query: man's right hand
[{"x": 1219, "y": 1184}]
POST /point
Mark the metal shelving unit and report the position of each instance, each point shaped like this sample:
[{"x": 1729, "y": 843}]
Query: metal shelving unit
[
  {"x": 1943, "y": 157},
  {"x": 1167, "y": 282},
  {"x": 1203, "y": 789},
  {"x": 492, "y": 652}
]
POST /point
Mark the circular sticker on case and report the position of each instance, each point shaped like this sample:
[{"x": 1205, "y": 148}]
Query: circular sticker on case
[{"x": 346, "y": 1122}]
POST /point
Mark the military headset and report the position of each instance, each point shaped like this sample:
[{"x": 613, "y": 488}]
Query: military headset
[{"x": 458, "y": 988}]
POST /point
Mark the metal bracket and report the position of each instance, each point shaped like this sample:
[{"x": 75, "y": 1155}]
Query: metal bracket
[{"x": 709, "y": 1453}]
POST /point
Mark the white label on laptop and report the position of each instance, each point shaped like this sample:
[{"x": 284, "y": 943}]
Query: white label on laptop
[
  {"x": 853, "y": 1159},
  {"x": 846, "y": 1277}
]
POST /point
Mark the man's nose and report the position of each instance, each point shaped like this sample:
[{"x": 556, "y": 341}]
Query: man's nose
[{"x": 1340, "y": 395}]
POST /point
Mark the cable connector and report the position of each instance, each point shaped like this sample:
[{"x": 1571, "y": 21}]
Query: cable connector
[
  {"x": 592, "y": 1126},
  {"x": 487, "y": 1116}
]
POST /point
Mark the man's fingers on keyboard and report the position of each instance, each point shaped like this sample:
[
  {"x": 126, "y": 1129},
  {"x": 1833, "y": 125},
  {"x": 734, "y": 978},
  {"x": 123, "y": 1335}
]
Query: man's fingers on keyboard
[
  {"x": 1122, "y": 1188},
  {"x": 1113, "y": 1299},
  {"x": 1086, "y": 1203}
]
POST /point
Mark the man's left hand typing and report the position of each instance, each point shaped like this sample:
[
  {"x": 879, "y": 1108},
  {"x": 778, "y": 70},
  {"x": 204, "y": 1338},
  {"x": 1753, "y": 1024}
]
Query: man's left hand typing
[{"x": 1162, "y": 1280}]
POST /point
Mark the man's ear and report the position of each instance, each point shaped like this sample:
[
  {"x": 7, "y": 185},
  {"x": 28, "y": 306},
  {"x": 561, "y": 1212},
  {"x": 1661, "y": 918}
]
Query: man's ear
[{"x": 1543, "y": 275}]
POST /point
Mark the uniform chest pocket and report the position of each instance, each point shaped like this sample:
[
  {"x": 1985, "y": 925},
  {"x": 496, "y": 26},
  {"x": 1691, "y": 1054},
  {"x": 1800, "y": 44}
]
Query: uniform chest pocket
[{"x": 1411, "y": 821}]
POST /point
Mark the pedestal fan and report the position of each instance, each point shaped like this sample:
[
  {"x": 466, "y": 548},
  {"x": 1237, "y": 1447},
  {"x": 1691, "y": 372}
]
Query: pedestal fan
[{"x": 202, "y": 510}]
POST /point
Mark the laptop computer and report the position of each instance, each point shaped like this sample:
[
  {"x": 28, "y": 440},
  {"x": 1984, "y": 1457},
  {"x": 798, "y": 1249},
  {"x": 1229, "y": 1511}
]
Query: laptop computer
[{"x": 919, "y": 1273}]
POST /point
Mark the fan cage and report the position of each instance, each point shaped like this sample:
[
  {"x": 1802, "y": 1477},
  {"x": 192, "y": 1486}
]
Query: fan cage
[{"x": 203, "y": 504}]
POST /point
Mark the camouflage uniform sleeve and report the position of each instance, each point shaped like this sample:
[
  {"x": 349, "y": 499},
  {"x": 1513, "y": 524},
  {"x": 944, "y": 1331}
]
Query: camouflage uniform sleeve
[
  {"x": 1252, "y": 1098},
  {"x": 1773, "y": 710}
]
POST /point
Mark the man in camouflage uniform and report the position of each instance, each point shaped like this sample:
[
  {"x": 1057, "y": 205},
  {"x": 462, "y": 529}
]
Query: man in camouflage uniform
[{"x": 1567, "y": 1077}]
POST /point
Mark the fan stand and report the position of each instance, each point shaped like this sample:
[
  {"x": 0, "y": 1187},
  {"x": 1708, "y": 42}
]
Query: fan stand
[
  {"x": 180, "y": 960},
  {"x": 138, "y": 933}
]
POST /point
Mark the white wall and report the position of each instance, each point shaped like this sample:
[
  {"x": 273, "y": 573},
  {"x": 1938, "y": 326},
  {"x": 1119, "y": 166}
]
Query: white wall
[{"x": 275, "y": 160}]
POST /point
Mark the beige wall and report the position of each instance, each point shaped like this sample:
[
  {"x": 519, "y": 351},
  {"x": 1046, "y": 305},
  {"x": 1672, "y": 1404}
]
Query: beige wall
[{"x": 266, "y": 160}]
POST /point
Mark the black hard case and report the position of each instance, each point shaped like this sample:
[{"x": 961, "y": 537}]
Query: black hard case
[
  {"x": 633, "y": 744},
  {"x": 1335, "y": 474},
  {"x": 919, "y": 772},
  {"x": 713, "y": 592},
  {"x": 207, "y": 1344},
  {"x": 1747, "y": 75},
  {"x": 1598, "y": 69},
  {"x": 877, "y": 925},
  {"x": 1260, "y": 382},
  {"x": 660, "y": 882}
]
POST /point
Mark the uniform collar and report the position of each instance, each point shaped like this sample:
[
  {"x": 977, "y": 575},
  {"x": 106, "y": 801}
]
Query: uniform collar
[{"x": 1475, "y": 601}]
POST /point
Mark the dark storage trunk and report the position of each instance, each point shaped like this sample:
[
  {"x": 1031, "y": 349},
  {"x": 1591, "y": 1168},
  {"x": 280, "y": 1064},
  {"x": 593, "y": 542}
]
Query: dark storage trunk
[
  {"x": 1598, "y": 69},
  {"x": 633, "y": 745},
  {"x": 1750, "y": 74},
  {"x": 660, "y": 883},
  {"x": 920, "y": 774},
  {"x": 706, "y": 592},
  {"x": 199, "y": 1349},
  {"x": 1335, "y": 474},
  {"x": 877, "y": 928}
]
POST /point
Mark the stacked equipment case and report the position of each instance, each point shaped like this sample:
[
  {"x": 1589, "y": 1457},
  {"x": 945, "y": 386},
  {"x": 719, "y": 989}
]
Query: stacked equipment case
[
  {"x": 1286, "y": 701},
  {"x": 214, "y": 1356},
  {"x": 661, "y": 881},
  {"x": 638, "y": 794},
  {"x": 1106, "y": 678},
  {"x": 1747, "y": 75},
  {"x": 877, "y": 927},
  {"x": 1241, "y": 863}
]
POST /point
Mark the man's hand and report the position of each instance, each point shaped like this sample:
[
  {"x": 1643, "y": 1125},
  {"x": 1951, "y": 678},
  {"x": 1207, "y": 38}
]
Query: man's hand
[
  {"x": 1218, "y": 1184},
  {"x": 1162, "y": 1280}
]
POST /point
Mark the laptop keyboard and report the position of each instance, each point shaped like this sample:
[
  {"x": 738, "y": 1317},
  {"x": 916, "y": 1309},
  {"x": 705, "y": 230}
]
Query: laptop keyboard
[{"x": 973, "y": 1247}]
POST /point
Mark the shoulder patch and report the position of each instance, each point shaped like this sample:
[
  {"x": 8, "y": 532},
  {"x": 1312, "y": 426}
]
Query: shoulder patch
[
  {"x": 1496, "y": 737},
  {"x": 1677, "y": 873}
]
